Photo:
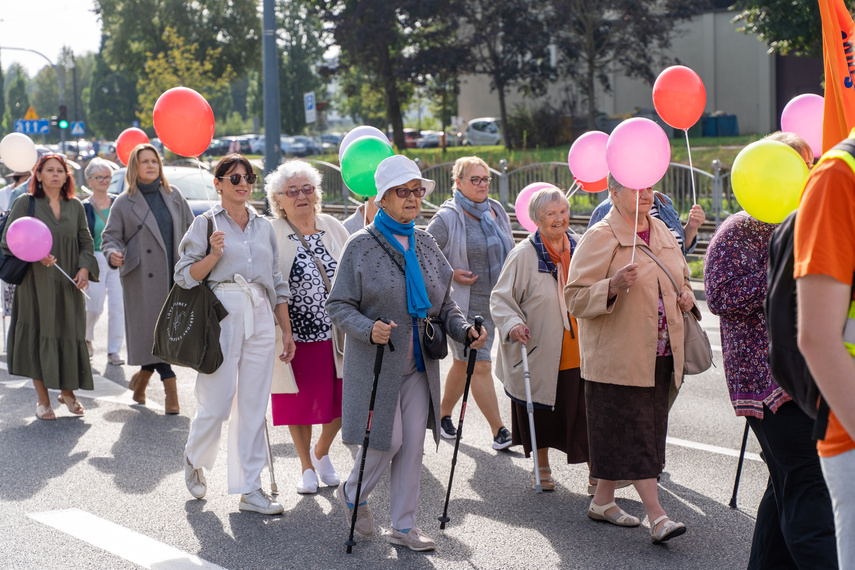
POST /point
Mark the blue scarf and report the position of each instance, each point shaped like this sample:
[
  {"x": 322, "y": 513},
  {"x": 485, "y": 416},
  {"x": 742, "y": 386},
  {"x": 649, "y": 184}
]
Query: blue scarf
[{"x": 498, "y": 244}]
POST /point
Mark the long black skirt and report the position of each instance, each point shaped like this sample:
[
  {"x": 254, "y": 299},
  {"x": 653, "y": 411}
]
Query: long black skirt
[
  {"x": 627, "y": 426},
  {"x": 563, "y": 427}
]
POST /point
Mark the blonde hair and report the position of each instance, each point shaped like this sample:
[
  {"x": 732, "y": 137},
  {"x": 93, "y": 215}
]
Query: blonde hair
[
  {"x": 277, "y": 180},
  {"x": 792, "y": 140},
  {"x": 132, "y": 174},
  {"x": 464, "y": 165}
]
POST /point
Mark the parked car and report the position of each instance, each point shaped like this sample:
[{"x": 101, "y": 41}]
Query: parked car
[
  {"x": 330, "y": 142},
  {"x": 218, "y": 147},
  {"x": 412, "y": 137},
  {"x": 432, "y": 139},
  {"x": 312, "y": 146},
  {"x": 484, "y": 131},
  {"x": 196, "y": 186},
  {"x": 292, "y": 147}
]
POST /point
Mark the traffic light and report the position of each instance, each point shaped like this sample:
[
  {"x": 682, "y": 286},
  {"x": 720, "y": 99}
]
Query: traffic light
[
  {"x": 54, "y": 120},
  {"x": 63, "y": 117}
]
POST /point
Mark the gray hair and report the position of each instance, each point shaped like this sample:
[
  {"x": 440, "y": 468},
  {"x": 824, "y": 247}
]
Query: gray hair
[
  {"x": 277, "y": 180},
  {"x": 614, "y": 185},
  {"x": 97, "y": 164},
  {"x": 542, "y": 199}
]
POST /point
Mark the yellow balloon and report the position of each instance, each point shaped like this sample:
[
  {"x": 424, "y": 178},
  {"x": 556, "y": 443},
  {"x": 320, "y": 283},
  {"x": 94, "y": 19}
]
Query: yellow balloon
[{"x": 768, "y": 178}]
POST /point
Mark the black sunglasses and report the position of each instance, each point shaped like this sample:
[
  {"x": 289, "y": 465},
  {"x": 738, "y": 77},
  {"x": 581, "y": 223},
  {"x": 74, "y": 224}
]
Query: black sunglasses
[
  {"x": 235, "y": 178},
  {"x": 403, "y": 192}
]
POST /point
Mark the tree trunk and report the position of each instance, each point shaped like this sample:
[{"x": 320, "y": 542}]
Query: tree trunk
[
  {"x": 589, "y": 94},
  {"x": 393, "y": 103},
  {"x": 503, "y": 112}
]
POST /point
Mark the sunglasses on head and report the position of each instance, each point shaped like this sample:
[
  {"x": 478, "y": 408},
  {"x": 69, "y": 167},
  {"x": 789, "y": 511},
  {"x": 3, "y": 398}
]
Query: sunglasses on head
[
  {"x": 403, "y": 192},
  {"x": 235, "y": 178},
  {"x": 294, "y": 192}
]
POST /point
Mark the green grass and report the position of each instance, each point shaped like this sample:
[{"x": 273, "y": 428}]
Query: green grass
[{"x": 697, "y": 268}]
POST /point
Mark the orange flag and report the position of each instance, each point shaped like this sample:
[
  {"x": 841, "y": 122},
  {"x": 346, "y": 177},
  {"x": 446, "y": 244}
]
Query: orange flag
[{"x": 838, "y": 50}]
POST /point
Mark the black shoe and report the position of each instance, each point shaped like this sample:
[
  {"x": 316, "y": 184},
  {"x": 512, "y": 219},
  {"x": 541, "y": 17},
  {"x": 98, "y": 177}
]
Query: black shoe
[
  {"x": 446, "y": 428},
  {"x": 502, "y": 439}
]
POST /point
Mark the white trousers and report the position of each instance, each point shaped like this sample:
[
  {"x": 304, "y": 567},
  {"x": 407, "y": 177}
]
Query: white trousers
[
  {"x": 404, "y": 455},
  {"x": 109, "y": 286},
  {"x": 238, "y": 391}
]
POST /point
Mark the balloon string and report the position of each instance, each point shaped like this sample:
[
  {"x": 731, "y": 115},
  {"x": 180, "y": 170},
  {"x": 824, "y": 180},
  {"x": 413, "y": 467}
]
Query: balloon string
[
  {"x": 572, "y": 190},
  {"x": 72, "y": 280},
  {"x": 691, "y": 168},
  {"x": 208, "y": 195},
  {"x": 635, "y": 233},
  {"x": 365, "y": 213}
]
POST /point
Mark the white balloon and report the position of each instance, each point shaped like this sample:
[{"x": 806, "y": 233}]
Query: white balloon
[
  {"x": 363, "y": 131},
  {"x": 18, "y": 152}
]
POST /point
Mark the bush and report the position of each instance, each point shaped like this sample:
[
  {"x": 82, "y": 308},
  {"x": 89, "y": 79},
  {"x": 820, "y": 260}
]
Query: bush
[{"x": 539, "y": 128}]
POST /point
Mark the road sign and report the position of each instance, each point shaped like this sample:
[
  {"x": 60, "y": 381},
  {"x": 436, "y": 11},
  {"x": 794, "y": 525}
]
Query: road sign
[
  {"x": 31, "y": 114},
  {"x": 37, "y": 127},
  {"x": 77, "y": 129},
  {"x": 309, "y": 107}
]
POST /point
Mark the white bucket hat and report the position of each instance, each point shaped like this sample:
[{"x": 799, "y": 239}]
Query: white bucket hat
[{"x": 397, "y": 170}]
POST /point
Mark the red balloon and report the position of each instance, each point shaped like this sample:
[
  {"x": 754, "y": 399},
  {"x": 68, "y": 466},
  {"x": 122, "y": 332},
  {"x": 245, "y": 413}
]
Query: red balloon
[
  {"x": 184, "y": 121},
  {"x": 679, "y": 96},
  {"x": 128, "y": 141},
  {"x": 594, "y": 187}
]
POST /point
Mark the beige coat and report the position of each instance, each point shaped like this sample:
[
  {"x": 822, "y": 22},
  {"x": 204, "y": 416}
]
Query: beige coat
[
  {"x": 334, "y": 238},
  {"x": 618, "y": 341},
  {"x": 522, "y": 295}
]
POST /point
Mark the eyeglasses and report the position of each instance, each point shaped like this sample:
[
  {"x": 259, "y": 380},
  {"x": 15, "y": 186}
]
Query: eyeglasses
[
  {"x": 307, "y": 190},
  {"x": 404, "y": 192},
  {"x": 100, "y": 178},
  {"x": 235, "y": 178},
  {"x": 478, "y": 181}
]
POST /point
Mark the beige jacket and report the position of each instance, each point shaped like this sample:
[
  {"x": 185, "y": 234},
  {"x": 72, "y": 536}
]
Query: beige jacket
[
  {"x": 618, "y": 341},
  {"x": 522, "y": 295},
  {"x": 333, "y": 239}
]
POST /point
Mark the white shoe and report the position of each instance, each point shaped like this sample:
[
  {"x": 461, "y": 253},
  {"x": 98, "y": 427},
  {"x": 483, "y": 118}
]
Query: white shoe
[
  {"x": 308, "y": 484},
  {"x": 115, "y": 359},
  {"x": 260, "y": 502},
  {"x": 195, "y": 480},
  {"x": 324, "y": 469}
]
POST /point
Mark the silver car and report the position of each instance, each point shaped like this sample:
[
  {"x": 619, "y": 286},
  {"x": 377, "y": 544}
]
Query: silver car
[{"x": 484, "y": 131}]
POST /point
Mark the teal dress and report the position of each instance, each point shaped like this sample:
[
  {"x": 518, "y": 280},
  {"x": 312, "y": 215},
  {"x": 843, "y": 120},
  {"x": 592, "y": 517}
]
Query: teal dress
[{"x": 47, "y": 334}]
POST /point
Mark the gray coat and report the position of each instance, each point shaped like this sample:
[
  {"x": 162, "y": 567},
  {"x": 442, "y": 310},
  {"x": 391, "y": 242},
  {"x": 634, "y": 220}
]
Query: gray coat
[
  {"x": 145, "y": 275},
  {"x": 368, "y": 285}
]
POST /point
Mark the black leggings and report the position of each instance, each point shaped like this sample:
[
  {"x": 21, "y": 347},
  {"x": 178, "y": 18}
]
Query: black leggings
[{"x": 162, "y": 368}]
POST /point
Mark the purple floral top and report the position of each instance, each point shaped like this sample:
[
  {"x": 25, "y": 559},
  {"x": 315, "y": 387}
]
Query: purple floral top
[
  {"x": 735, "y": 284},
  {"x": 663, "y": 344}
]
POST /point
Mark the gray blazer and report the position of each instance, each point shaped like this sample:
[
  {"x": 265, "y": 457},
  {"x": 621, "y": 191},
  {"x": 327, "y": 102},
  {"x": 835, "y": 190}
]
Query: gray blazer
[
  {"x": 368, "y": 285},
  {"x": 145, "y": 275}
]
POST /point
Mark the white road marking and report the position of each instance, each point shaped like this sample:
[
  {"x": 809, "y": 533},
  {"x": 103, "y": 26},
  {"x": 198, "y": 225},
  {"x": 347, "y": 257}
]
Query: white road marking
[
  {"x": 711, "y": 448},
  {"x": 121, "y": 541},
  {"x": 105, "y": 389}
]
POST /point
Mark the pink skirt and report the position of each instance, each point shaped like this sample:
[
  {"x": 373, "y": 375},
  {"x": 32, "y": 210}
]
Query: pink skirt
[{"x": 319, "y": 398}]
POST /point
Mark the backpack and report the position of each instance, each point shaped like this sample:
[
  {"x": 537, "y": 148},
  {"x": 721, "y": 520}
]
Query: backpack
[{"x": 12, "y": 269}]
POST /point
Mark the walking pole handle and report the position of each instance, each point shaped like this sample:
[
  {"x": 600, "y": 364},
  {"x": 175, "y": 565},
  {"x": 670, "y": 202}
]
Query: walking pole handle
[{"x": 470, "y": 368}]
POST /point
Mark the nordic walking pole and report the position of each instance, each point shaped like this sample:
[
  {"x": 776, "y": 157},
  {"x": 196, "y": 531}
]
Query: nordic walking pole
[
  {"x": 274, "y": 490},
  {"x": 378, "y": 363},
  {"x": 530, "y": 408},
  {"x": 470, "y": 368},
  {"x": 739, "y": 466}
]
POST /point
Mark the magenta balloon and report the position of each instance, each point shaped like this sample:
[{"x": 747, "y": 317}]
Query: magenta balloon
[
  {"x": 638, "y": 153},
  {"x": 521, "y": 205},
  {"x": 29, "y": 239},
  {"x": 803, "y": 116},
  {"x": 587, "y": 156}
]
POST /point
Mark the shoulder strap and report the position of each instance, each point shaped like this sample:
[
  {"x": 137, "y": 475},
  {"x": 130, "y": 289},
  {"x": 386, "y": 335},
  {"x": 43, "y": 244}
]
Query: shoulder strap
[
  {"x": 646, "y": 250},
  {"x": 98, "y": 210},
  {"x": 386, "y": 249},
  {"x": 321, "y": 268},
  {"x": 31, "y": 209},
  {"x": 208, "y": 249}
]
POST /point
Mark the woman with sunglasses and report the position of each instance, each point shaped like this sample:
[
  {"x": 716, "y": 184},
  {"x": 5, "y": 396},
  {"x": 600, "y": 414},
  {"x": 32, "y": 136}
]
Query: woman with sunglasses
[
  {"x": 241, "y": 263},
  {"x": 390, "y": 270},
  {"x": 308, "y": 391},
  {"x": 474, "y": 233},
  {"x": 146, "y": 224},
  {"x": 47, "y": 335}
]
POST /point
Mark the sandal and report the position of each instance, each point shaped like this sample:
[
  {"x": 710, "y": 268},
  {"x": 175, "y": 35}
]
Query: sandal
[
  {"x": 547, "y": 483},
  {"x": 73, "y": 404},
  {"x": 669, "y": 530},
  {"x": 45, "y": 412},
  {"x": 620, "y": 518}
]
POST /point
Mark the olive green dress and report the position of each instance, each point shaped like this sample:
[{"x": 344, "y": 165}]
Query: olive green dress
[{"x": 47, "y": 334}]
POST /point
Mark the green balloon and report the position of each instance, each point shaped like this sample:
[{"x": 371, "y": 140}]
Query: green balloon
[{"x": 359, "y": 162}]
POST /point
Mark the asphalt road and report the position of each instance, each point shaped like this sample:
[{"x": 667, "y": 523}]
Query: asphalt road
[{"x": 107, "y": 491}]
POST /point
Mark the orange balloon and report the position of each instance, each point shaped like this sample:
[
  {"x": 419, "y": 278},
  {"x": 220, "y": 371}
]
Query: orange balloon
[
  {"x": 184, "y": 121},
  {"x": 128, "y": 141},
  {"x": 679, "y": 96},
  {"x": 594, "y": 187}
]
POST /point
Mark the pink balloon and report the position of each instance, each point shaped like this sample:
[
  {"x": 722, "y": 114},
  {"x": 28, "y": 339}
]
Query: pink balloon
[
  {"x": 521, "y": 205},
  {"x": 638, "y": 153},
  {"x": 29, "y": 239},
  {"x": 587, "y": 156},
  {"x": 803, "y": 116}
]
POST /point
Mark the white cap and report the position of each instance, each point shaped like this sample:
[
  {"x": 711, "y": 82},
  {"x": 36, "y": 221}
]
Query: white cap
[{"x": 395, "y": 171}]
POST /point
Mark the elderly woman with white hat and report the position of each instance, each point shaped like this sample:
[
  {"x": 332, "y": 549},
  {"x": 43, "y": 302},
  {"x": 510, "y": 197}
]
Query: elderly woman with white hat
[{"x": 390, "y": 270}]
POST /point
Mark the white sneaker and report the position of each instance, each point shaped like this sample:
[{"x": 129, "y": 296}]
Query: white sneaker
[
  {"x": 414, "y": 539},
  {"x": 308, "y": 484},
  {"x": 260, "y": 502},
  {"x": 324, "y": 469},
  {"x": 195, "y": 480}
]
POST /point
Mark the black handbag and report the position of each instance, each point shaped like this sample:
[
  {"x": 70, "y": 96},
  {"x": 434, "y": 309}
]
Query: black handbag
[
  {"x": 12, "y": 269},
  {"x": 187, "y": 332}
]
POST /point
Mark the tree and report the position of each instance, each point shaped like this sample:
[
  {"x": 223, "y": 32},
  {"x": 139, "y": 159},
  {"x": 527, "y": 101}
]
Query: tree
[
  {"x": 180, "y": 66},
  {"x": 301, "y": 53},
  {"x": 2, "y": 98},
  {"x": 17, "y": 99},
  {"x": 603, "y": 36},
  {"x": 787, "y": 27},
  {"x": 112, "y": 99},
  {"x": 360, "y": 97}
]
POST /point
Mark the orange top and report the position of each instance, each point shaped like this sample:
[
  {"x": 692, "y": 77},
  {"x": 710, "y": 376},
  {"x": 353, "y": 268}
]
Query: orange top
[{"x": 825, "y": 244}]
